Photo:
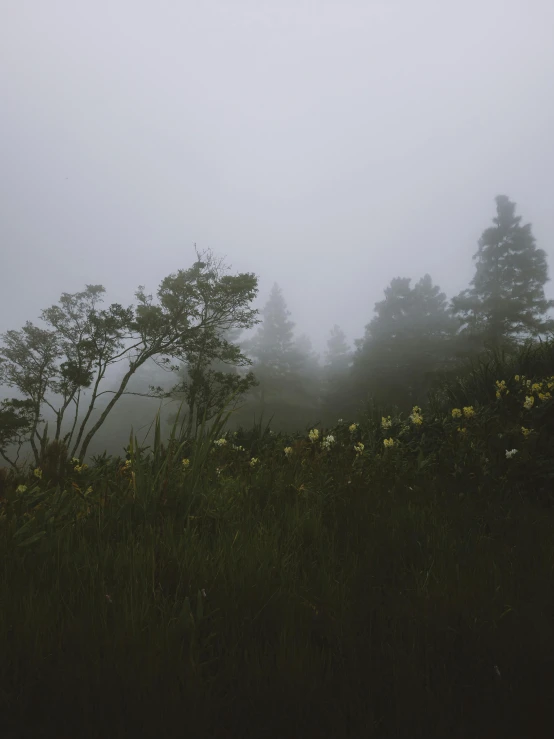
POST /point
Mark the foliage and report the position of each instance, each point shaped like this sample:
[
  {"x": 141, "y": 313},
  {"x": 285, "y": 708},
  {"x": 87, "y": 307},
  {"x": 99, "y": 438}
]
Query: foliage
[
  {"x": 410, "y": 338},
  {"x": 250, "y": 569},
  {"x": 507, "y": 298},
  {"x": 194, "y": 305}
]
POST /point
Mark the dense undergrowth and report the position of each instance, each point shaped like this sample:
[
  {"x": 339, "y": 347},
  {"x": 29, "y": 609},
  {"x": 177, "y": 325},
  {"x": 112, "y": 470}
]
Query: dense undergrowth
[{"x": 388, "y": 577}]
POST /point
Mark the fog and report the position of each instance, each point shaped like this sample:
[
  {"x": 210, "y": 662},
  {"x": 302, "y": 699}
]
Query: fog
[{"x": 326, "y": 146}]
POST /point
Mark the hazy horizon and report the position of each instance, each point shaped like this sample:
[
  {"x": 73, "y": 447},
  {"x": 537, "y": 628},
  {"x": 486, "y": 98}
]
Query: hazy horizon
[{"x": 328, "y": 147}]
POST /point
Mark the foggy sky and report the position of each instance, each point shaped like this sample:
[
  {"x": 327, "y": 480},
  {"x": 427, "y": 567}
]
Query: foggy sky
[{"x": 327, "y": 146}]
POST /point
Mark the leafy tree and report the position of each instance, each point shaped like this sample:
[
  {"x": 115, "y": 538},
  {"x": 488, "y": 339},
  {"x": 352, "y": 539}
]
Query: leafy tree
[
  {"x": 194, "y": 305},
  {"x": 410, "y": 338},
  {"x": 16, "y": 421},
  {"x": 507, "y": 299},
  {"x": 207, "y": 383}
]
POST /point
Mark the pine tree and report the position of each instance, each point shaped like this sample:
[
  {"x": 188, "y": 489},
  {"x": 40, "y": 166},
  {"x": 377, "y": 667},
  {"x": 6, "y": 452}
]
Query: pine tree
[
  {"x": 277, "y": 361},
  {"x": 506, "y": 303}
]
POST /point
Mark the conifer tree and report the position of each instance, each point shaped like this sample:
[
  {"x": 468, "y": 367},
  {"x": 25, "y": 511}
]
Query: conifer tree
[
  {"x": 277, "y": 361},
  {"x": 506, "y": 303}
]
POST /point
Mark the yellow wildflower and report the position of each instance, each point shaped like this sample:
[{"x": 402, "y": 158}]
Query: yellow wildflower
[
  {"x": 254, "y": 461},
  {"x": 529, "y": 402},
  {"x": 353, "y": 427},
  {"x": 525, "y": 431},
  {"x": 359, "y": 447},
  {"x": 185, "y": 463},
  {"x": 468, "y": 411},
  {"x": 386, "y": 423},
  {"x": 288, "y": 450},
  {"x": 21, "y": 489},
  {"x": 456, "y": 413},
  {"x": 38, "y": 473},
  {"x": 388, "y": 442},
  {"x": 314, "y": 435}
]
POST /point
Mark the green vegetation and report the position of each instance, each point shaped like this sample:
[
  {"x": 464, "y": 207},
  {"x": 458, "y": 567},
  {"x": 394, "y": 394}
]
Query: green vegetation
[
  {"x": 384, "y": 574},
  {"x": 386, "y": 577}
]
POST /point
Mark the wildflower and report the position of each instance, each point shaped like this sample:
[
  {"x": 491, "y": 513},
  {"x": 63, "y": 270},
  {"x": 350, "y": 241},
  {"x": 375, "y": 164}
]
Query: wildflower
[
  {"x": 21, "y": 489},
  {"x": 516, "y": 378},
  {"x": 185, "y": 463},
  {"x": 84, "y": 466},
  {"x": 416, "y": 417},
  {"x": 359, "y": 447},
  {"x": 220, "y": 442},
  {"x": 74, "y": 460},
  {"x": 456, "y": 413},
  {"x": 238, "y": 448},
  {"x": 326, "y": 443},
  {"x": 314, "y": 435},
  {"x": 386, "y": 423},
  {"x": 535, "y": 387},
  {"x": 525, "y": 431},
  {"x": 353, "y": 428},
  {"x": 468, "y": 411},
  {"x": 388, "y": 442},
  {"x": 462, "y": 430},
  {"x": 254, "y": 461},
  {"x": 288, "y": 450},
  {"x": 529, "y": 402},
  {"x": 510, "y": 454},
  {"x": 38, "y": 473},
  {"x": 544, "y": 396},
  {"x": 501, "y": 388}
]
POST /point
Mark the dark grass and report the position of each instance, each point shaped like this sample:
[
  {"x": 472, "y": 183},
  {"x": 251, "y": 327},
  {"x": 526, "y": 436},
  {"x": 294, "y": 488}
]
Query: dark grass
[{"x": 403, "y": 592}]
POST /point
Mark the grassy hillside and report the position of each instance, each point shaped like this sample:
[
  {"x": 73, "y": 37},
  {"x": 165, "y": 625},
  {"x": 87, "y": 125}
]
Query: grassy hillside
[{"x": 390, "y": 576}]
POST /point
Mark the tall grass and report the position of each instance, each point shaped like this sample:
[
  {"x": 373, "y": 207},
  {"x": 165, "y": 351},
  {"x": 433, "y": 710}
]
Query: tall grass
[{"x": 342, "y": 588}]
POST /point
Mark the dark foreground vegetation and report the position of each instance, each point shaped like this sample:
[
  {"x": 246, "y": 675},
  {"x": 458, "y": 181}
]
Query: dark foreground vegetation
[{"x": 395, "y": 580}]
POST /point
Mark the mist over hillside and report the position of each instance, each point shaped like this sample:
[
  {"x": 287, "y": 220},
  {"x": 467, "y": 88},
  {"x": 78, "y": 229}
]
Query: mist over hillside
[{"x": 346, "y": 154}]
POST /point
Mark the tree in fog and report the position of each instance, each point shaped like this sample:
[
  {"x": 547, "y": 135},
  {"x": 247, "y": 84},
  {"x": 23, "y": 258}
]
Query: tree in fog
[
  {"x": 412, "y": 336},
  {"x": 277, "y": 360},
  {"x": 195, "y": 305},
  {"x": 310, "y": 374},
  {"x": 506, "y": 303},
  {"x": 337, "y": 363},
  {"x": 206, "y": 383}
]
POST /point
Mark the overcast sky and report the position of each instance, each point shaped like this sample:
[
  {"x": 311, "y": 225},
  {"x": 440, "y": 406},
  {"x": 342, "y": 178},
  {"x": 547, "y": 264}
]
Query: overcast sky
[{"x": 328, "y": 146}]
